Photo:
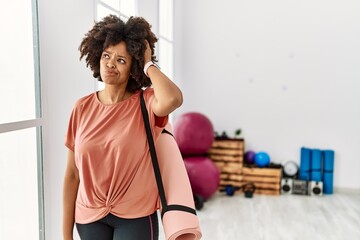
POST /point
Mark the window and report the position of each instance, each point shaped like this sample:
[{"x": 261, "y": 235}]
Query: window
[
  {"x": 166, "y": 39},
  {"x": 122, "y": 8},
  {"x": 21, "y": 183}
]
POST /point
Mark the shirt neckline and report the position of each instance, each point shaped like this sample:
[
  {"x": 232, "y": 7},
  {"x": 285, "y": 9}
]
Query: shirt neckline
[{"x": 134, "y": 95}]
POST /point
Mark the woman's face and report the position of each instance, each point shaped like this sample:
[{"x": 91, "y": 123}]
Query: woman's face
[{"x": 115, "y": 65}]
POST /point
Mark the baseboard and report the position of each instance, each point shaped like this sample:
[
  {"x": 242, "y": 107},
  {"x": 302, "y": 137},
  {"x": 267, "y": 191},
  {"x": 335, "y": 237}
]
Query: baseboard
[{"x": 347, "y": 190}]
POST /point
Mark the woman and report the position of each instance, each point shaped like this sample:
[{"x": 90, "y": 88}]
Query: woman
[{"x": 109, "y": 186}]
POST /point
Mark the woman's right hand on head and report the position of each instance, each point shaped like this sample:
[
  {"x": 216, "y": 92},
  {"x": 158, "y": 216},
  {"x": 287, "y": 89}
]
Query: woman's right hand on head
[{"x": 147, "y": 54}]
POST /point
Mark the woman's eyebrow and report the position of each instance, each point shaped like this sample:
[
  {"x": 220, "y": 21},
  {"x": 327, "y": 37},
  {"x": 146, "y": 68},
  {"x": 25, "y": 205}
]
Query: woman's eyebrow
[
  {"x": 110, "y": 52},
  {"x": 120, "y": 56}
]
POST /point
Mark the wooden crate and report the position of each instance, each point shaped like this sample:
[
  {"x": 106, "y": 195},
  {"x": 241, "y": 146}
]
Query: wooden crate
[
  {"x": 228, "y": 155},
  {"x": 266, "y": 180}
]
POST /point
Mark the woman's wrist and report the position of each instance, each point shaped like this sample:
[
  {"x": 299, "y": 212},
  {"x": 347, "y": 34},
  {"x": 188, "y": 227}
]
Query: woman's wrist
[{"x": 149, "y": 64}]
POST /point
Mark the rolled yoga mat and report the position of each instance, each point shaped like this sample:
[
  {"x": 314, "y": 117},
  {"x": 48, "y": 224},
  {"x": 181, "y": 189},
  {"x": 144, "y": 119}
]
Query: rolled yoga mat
[
  {"x": 305, "y": 164},
  {"x": 177, "y": 225},
  {"x": 328, "y": 171},
  {"x": 305, "y": 159}
]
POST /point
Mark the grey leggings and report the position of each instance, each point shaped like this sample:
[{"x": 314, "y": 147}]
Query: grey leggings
[{"x": 115, "y": 228}]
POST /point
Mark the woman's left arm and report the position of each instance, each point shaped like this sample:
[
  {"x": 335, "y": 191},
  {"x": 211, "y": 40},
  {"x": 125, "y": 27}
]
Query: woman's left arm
[{"x": 168, "y": 95}]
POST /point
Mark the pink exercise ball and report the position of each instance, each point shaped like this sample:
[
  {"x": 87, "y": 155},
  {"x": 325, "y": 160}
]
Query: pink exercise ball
[
  {"x": 204, "y": 176},
  {"x": 194, "y": 133}
]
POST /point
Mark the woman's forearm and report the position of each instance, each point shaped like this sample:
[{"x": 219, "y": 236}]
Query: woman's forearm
[
  {"x": 168, "y": 96},
  {"x": 71, "y": 185},
  {"x": 70, "y": 189}
]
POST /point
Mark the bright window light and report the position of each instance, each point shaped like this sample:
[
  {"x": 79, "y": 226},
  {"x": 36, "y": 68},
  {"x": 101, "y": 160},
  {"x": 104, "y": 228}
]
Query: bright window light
[{"x": 17, "y": 98}]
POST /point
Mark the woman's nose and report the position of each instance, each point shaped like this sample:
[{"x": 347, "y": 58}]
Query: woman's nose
[{"x": 110, "y": 63}]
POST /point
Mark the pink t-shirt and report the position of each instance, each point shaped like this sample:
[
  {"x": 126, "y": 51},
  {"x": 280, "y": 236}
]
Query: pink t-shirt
[{"x": 113, "y": 158}]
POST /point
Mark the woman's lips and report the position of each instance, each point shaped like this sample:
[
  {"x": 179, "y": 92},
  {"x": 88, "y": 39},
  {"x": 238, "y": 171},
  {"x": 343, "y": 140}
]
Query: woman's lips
[{"x": 111, "y": 73}]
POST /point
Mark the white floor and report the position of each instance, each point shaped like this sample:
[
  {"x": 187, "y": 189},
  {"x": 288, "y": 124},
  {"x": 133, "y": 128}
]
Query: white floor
[{"x": 290, "y": 217}]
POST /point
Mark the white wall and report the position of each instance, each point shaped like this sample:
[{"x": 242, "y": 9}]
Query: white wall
[
  {"x": 64, "y": 79},
  {"x": 285, "y": 72}
]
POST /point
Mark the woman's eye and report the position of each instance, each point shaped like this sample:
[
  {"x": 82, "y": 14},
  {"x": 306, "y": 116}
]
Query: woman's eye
[
  {"x": 105, "y": 55},
  {"x": 121, "y": 60}
]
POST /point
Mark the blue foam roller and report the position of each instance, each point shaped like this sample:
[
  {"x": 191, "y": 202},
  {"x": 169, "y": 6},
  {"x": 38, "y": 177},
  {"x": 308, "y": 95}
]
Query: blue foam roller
[
  {"x": 304, "y": 175},
  {"x": 316, "y": 176},
  {"x": 328, "y": 182},
  {"x": 328, "y": 160},
  {"x": 316, "y": 159},
  {"x": 305, "y": 159}
]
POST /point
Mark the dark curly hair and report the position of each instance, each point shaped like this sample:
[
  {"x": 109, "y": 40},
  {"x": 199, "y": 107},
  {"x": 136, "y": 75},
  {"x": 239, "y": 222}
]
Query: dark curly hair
[{"x": 110, "y": 31}]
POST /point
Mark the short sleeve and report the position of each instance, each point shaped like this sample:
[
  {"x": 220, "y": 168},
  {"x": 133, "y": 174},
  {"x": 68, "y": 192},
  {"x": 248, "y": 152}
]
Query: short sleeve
[
  {"x": 71, "y": 130},
  {"x": 158, "y": 122}
]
